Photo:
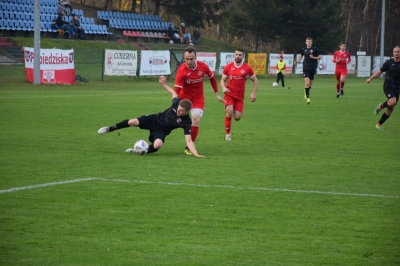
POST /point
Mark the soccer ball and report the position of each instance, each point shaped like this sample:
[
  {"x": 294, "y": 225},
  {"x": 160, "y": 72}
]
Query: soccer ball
[
  {"x": 275, "y": 85},
  {"x": 171, "y": 41},
  {"x": 141, "y": 147}
]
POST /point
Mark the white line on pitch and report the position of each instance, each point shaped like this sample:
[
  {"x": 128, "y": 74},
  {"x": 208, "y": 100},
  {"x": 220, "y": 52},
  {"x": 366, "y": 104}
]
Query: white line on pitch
[
  {"x": 198, "y": 185},
  {"x": 46, "y": 185}
]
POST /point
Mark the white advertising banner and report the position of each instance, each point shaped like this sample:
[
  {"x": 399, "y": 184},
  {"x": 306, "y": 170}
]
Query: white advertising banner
[
  {"x": 56, "y": 66},
  {"x": 209, "y": 58},
  {"x": 225, "y": 58},
  {"x": 154, "y": 62},
  {"x": 364, "y": 66},
  {"x": 299, "y": 66},
  {"x": 376, "y": 64},
  {"x": 288, "y": 58},
  {"x": 325, "y": 65},
  {"x": 120, "y": 63},
  {"x": 351, "y": 67}
]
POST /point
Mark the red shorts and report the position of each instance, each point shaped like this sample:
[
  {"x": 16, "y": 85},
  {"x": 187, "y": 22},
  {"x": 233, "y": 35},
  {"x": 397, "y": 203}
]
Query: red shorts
[
  {"x": 340, "y": 73},
  {"x": 237, "y": 104}
]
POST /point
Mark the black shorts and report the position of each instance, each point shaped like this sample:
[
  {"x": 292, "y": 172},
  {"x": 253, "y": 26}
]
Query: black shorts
[
  {"x": 149, "y": 122},
  {"x": 309, "y": 73},
  {"x": 391, "y": 90}
]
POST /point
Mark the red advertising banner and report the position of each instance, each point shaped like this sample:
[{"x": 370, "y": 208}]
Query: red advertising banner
[{"x": 56, "y": 66}]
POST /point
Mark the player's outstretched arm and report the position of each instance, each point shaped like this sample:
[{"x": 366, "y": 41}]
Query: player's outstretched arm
[
  {"x": 253, "y": 96},
  {"x": 163, "y": 82},
  {"x": 376, "y": 74},
  {"x": 214, "y": 85},
  {"x": 191, "y": 146}
]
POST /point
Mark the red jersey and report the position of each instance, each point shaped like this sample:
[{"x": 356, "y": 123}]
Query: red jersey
[
  {"x": 344, "y": 58},
  {"x": 189, "y": 83},
  {"x": 237, "y": 76}
]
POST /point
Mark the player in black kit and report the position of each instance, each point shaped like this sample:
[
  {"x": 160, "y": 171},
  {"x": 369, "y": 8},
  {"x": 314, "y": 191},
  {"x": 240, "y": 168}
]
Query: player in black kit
[
  {"x": 391, "y": 86},
  {"x": 310, "y": 63},
  {"x": 161, "y": 124}
]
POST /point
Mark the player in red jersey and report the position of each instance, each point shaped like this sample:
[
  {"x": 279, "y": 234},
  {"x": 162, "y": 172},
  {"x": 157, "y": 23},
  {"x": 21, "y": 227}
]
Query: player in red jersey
[
  {"x": 189, "y": 84},
  {"x": 341, "y": 58},
  {"x": 236, "y": 74}
]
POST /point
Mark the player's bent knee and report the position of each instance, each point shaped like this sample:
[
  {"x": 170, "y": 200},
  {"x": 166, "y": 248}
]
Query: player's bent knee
[{"x": 158, "y": 144}]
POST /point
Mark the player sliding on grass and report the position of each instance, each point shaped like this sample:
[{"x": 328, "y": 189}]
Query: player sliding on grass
[
  {"x": 391, "y": 86},
  {"x": 160, "y": 125},
  {"x": 341, "y": 58},
  {"x": 233, "y": 85}
]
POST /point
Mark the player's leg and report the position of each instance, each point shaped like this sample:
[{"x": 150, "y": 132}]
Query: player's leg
[
  {"x": 307, "y": 83},
  {"x": 337, "y": 75},
  {"x": 389, "y": 104},
  {"x": 123, "y": 124},
  {"x": 278, "y": 77},
  {"x": 197, "y": 114},
  {"x": 283, "y": 80},
  {"x": 343, "y": 75},
  {"x": 229, "y": 102}
]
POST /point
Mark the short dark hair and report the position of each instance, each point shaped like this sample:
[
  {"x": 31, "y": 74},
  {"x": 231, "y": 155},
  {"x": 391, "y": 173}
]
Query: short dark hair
[
  {"x": 186, "y": 104},
  {"x": 190, "y": 50},
  {"x": 239, "y": 50}
]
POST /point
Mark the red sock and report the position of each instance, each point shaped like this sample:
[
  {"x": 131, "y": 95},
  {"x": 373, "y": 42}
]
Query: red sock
[
  {"x": 342, "y": 85},
  {"x": 228, "y": 124},
  {"x": 337, "y": 87},
  {"x": 195, "y": 132}
]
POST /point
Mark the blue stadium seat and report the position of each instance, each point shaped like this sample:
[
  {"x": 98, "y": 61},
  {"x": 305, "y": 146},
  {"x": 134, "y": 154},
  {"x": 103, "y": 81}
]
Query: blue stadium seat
[{"x": 2, "y": 24}]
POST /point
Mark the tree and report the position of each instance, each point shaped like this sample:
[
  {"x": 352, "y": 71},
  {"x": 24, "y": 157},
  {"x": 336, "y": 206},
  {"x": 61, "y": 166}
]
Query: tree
[
  {"x": 193, "y": 12},
  {"x": 320, "y": 20},
  {"x": 259, "y": 19}
]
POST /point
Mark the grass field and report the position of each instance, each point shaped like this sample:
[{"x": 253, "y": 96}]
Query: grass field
[{"x": 298, "y": 185}]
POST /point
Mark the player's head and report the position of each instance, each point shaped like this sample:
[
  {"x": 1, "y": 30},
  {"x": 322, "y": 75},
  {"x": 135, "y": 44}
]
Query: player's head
[
  {"x": 309, "y": 42},
  {"x": 342, "y": 47},
  {"x": 190, "y": 57},
  {"x": 184, "y": 107},
  {"x": 396, "y": 52},
  {"x": 239, "y": 55}
]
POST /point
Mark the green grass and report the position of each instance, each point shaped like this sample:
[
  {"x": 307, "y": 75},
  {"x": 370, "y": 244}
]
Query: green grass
[{"x": 298, "y": 184}]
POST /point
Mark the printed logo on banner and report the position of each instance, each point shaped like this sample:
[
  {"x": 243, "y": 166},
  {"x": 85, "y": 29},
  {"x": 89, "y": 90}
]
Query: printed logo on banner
[
  {"x": 71, "y": 57},
  {"x": 48, "y": 76},
  {"x": 28, "y": 56},
  {"x": 229, "y": 58},
  {"x": 157, "y": 60},
  {"x": 109, "y": 60}
]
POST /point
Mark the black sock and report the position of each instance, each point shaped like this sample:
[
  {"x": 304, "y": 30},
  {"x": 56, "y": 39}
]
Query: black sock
[
  {"x": 152, "y": 149},
  {"x": 308, "y": 92},
  {"x": 383, "y": 118},
  {"x": 384, "y": 105},
  {"x": 122, "y": 124}
]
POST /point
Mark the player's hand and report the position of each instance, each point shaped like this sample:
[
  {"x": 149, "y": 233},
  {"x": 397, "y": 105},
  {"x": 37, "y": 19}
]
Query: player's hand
[
  {"x": 219, "y": 98},
  {"x": 226, "y": 90},
  {"x": 162, "y": 80},
  {"x": 201, "y": 156},
  {"x": 252, "y": 97},
  {"x": 368, "y": 80}
]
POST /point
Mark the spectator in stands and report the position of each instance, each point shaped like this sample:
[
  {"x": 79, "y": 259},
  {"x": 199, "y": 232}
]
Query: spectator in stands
[
  {"x": 65, "y": 26},
  {"x": 55, "y": 27},
  {"x": 76, "y": 27},
  {"x": 186, "y": 38},
  {"x": 61, "y": 8},
  {"x": 68, "y": 7},
  {"x": 196, "y": 36},
  {"x": 171, "y": 33}
]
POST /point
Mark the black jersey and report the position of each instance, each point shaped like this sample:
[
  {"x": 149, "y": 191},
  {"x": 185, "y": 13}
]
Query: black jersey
[
  {"x": 169, "y": 120},
  {"x": 309, "y": 63},
  {"x": 392, "y": 70}
]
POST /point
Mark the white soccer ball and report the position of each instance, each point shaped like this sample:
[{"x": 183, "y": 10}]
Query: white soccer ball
[
  {"x": 171, "y": 41},
  {"x": 275, "y": 85},
  {"x": 141, "y": 147}
]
